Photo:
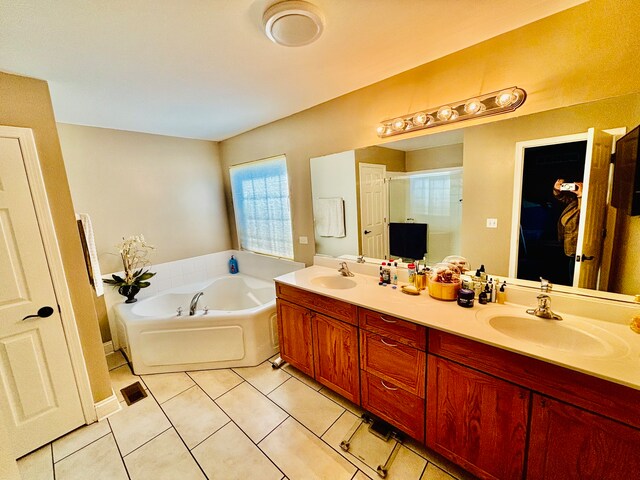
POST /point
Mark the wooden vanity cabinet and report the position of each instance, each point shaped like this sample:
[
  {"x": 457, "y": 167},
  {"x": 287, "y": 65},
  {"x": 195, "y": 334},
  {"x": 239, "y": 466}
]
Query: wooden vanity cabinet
[
  {"x": 294, "y": 335},
  {"x": 319, "y": 336},
  {"x": 393, "y": 363},
  {"x": 476, "y": 420},
  {"x": 567, "y": 442},
  {"x": 335, "y": 353},
  {"x": 580, "y": 426}
]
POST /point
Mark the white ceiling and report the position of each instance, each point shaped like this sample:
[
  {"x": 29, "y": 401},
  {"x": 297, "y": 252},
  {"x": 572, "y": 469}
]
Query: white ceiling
[{"x": 204, "y": 69}]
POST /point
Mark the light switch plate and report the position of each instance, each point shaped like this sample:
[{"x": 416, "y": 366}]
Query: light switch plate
[
  {"x": 303, "y": 240},
  {"x": 492, "y": 223}
]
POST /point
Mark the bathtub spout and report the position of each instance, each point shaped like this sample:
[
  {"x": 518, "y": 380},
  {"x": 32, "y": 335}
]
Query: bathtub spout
[{"x": 194, "y": 303}]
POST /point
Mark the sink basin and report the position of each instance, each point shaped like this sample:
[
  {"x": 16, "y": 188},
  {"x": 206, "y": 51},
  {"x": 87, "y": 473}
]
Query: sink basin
[
  {"x": 571, "y": 335},
  {"x": 333, "y": 281}
]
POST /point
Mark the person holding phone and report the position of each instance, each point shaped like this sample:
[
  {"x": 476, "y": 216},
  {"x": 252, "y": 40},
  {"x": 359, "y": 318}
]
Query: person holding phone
[{"x": 569, "y": 194}]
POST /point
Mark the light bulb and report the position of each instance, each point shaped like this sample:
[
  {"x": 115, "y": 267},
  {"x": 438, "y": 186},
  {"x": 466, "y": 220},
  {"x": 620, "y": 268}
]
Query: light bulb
[
  {"x": 420, "y": 118},
  {"x": 454, "y": 115},
  {"x": 398, "y": 124},
  {"x": 474, "y": 106},
  {"x": 506, "y": 98},
  {"x": 445, "y": 113},
  {"x": 381, "y": 129}
]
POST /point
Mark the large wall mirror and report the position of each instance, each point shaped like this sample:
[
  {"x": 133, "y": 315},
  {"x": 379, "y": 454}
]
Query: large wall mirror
[{"x": 487, "y": 192}]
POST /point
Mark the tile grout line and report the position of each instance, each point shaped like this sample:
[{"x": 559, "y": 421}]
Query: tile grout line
[
  {"x": 84, "y": 446},
  {"x": 258, "y": 446},
  {"x": 53, "y": 464},
  {"x": 124, "y": 464}
]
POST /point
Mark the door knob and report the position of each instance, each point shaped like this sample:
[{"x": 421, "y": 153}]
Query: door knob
[
  {"x": 367, "y": 231},
  {"x": 43, "y": 312}
]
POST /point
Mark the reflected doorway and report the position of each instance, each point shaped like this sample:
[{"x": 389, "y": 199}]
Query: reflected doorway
[{"x": 548, "y": 216}]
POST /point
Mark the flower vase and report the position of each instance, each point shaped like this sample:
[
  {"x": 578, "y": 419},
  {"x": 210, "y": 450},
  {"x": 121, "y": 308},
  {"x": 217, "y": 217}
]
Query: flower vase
[{"x": 129, "y": 291}]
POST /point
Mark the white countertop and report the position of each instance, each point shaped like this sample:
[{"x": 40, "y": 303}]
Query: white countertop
[{"x": 621, "y": 365}]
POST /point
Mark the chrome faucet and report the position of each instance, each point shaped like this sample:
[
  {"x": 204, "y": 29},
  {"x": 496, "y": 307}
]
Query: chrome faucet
[
  {"x": 544, "y": 303},
  {"x": 343, "y": 268},
  {"x": 194, "y": 303}
]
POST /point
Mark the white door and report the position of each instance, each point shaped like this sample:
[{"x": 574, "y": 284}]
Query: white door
[
  {"x": 39, "y": 398},
  {"x": 593, "y": 216},
  {"x": 373, "y": 210}
]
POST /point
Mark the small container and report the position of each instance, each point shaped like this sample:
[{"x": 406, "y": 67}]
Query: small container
[
  {"x": 465, "y": 298},
  {"x": 233, "y": 265},
  {"x": 444, "y": 281},
  {"x": 420, "y": 281}
]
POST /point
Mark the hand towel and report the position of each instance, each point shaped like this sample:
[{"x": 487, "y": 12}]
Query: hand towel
[
  {"x": 330, "y": 217},
  {"x": 92, "y": 252}
]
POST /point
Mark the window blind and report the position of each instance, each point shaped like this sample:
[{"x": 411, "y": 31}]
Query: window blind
[{"x": 260, "y": 193}]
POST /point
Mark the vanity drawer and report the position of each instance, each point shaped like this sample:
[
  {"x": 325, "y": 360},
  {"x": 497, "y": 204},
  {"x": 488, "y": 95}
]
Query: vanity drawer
[
  {"x": 393, "y": 404},
  {"x": 394, "y": 362},
  {"x": 329, "y": 306},
  {"x": 393, "y": 327}
]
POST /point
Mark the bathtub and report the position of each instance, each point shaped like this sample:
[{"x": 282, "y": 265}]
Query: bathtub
[{"x": 239, "y": 329}]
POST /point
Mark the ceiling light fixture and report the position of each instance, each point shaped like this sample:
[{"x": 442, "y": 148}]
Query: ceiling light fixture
[
  {"x": 293, "y": 23},
  {"x": 493, "y": 103}
]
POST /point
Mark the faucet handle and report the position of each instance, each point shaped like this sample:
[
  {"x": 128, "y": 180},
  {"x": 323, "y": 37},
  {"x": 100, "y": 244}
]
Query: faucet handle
[
  {"x": 178, "y": 311},
  {"x": 545, "y": 285}
]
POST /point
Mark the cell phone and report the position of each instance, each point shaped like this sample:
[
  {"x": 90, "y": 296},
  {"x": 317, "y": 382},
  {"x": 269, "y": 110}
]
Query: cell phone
[{"x": 568, "y": 187}]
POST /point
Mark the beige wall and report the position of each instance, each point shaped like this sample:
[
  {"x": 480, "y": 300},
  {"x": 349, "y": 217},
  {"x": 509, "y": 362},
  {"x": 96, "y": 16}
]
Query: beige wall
[
  {"x": 26, "y": 103},
  {"x": 586, "y": 53},
  {"x": 167, "y": 188},
  {"x": 489, "y": 168},
  {"x": 446, "y": 156}
]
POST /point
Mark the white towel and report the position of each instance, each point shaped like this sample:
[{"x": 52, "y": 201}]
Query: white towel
[
  {"x": 330, "y": 217},
  {"x": 93, "y": 254}
]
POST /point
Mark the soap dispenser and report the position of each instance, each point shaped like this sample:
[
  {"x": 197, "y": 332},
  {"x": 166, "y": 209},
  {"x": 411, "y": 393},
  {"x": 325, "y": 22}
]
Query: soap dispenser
[{"x": 233, "y": 265}]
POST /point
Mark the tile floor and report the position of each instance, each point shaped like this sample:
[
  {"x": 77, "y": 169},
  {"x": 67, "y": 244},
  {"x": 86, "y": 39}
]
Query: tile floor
[{"x": 242, "y": 423}]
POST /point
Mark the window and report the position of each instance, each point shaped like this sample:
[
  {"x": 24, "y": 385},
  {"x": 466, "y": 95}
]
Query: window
[{"x": 261, "y": 201}]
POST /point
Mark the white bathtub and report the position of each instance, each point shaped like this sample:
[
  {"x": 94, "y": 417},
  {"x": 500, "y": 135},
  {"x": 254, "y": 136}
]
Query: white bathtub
[{"x": 238, "y": 330}]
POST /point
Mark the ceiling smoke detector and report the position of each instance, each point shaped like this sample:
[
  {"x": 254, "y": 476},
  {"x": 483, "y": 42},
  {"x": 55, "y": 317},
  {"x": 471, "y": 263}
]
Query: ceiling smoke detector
[{"x": 293, "y": 23}]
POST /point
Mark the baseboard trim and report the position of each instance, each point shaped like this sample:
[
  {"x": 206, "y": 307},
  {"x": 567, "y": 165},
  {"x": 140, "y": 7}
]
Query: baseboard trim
[
  {"x": 108, "y": 347},
  {"x": 107, "y": 407}
]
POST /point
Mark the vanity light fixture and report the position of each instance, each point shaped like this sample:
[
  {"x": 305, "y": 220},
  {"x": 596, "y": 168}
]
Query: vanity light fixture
[{"x": 493, "y": 103}]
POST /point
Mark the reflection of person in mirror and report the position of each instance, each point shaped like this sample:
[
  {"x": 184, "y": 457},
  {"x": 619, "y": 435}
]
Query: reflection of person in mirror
[{"x": 568, "y": 223}]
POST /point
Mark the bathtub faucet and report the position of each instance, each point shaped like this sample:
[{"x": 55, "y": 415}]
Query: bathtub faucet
[{"x": 194, "y": 303}]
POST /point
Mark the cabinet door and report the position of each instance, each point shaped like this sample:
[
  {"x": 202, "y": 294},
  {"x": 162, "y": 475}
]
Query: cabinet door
[
  {"x": 294, "y": 332},
  {"x": 335, "y": 346},
  {"x": 476, "y": 420},
  {"x": 570, "y": 443}
]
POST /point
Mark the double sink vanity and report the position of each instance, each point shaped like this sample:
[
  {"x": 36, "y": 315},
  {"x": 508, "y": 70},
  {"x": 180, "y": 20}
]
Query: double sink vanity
[{"x": 501, "y": 393}]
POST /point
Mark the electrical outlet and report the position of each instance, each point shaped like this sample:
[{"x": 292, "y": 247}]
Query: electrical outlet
[
  {"x": 303, "y": 240},
  {"x": 492, "y": 223}
]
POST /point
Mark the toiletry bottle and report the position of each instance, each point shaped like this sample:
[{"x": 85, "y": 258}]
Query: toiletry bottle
[
  {"x": 386, "y": 273},
  {"x": 502, "y": 294},
  {"x": 412, "y": 272},
  {"x": 394, "y": 274},
  {"x": 483, "y": 274},
  {"x": 233, "y": 265}
]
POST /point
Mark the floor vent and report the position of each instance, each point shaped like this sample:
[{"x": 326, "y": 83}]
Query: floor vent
[{"x": 133, "y": 393}]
